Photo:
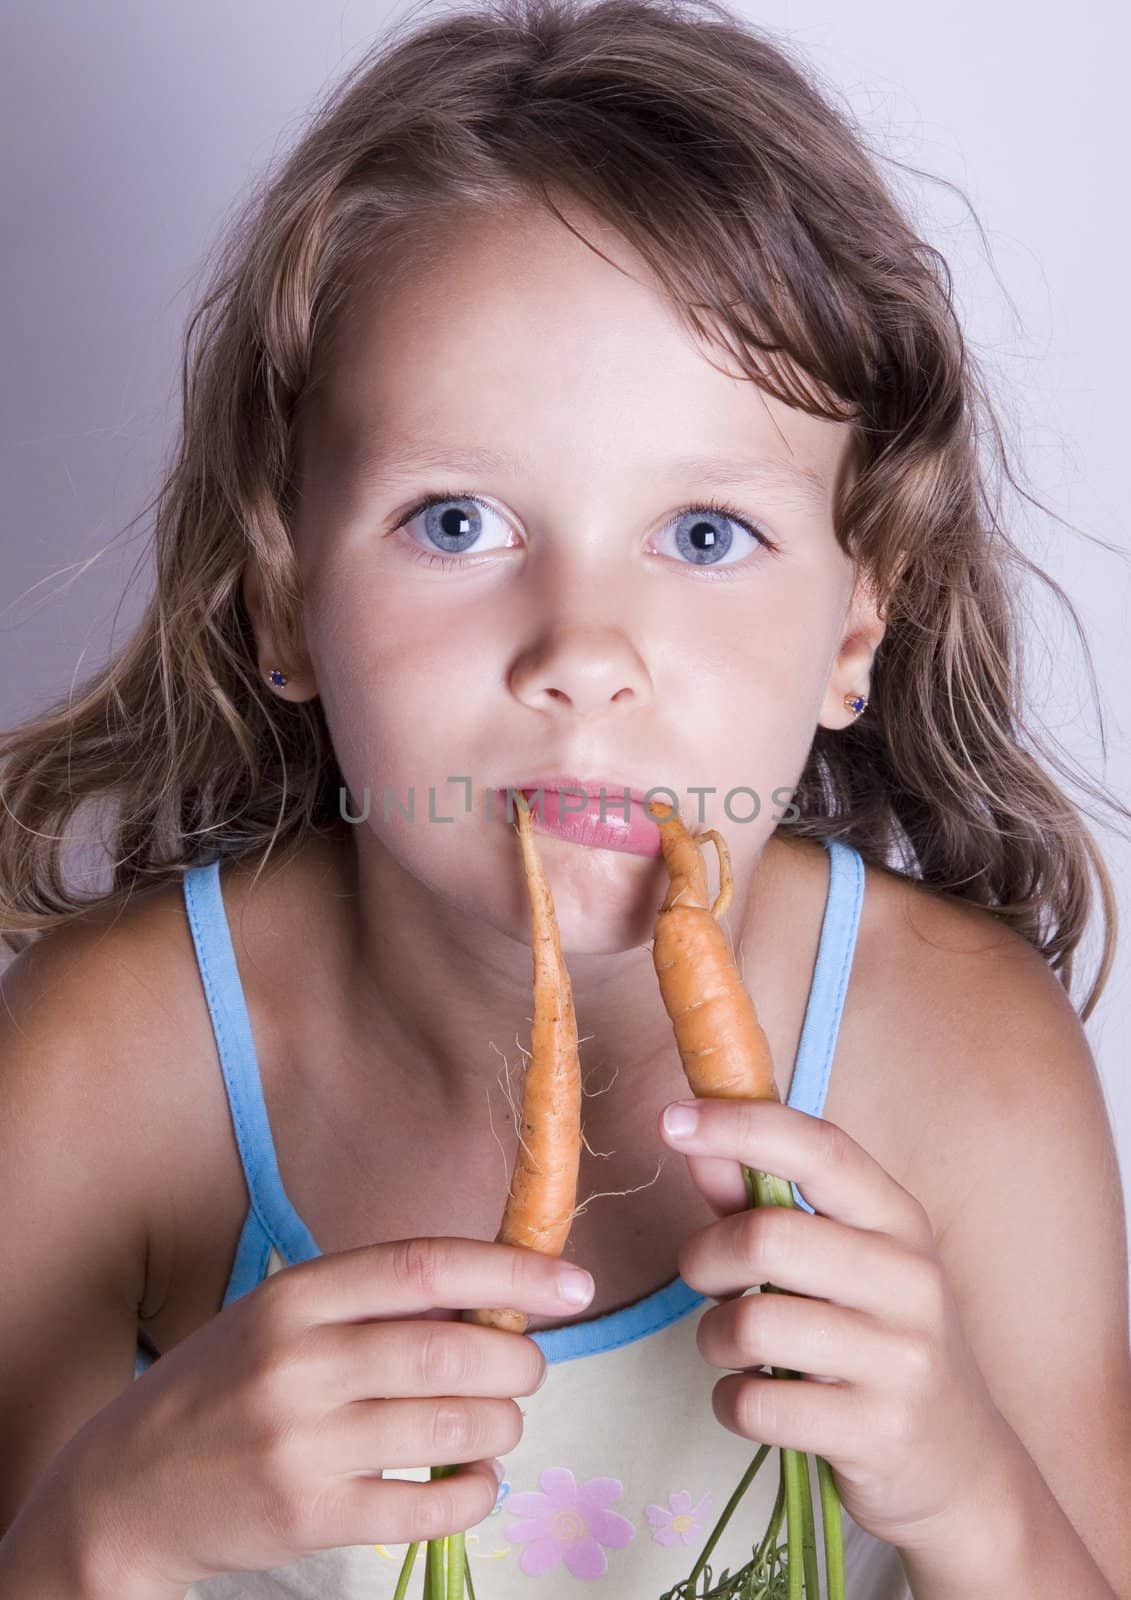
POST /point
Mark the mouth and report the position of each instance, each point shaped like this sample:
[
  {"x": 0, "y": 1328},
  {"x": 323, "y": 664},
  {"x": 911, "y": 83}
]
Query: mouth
[
  {"x": 603, "y": 813},
  {"x": 560, "y": 782}
]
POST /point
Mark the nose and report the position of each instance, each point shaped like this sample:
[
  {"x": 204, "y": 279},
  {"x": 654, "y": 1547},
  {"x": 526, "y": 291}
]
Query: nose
[{"x": 583, "y": 670}]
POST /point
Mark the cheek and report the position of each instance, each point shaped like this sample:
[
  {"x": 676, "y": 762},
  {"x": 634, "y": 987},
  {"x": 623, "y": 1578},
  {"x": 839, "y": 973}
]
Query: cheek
[
  {"x": 403, "y": 699},
  {"x": 755, "y": 703},
  {"x": 362, "y": 617},
  {"x": 786, "y": 633},
  {"x": 785, "y": 653}
]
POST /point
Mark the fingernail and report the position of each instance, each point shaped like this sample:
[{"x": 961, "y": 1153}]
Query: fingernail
[
  {"x": 575, "y": 1285},
  {"x": 681, "y": 1120},
  {"x": 497, "y": 1469}
]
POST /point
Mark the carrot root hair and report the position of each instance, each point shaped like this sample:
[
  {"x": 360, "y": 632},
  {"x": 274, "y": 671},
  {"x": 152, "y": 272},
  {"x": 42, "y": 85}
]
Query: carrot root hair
[{"x": 542, "y": 1197}]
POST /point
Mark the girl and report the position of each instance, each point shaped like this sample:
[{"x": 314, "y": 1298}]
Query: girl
[{"x": 576, "y": 408}]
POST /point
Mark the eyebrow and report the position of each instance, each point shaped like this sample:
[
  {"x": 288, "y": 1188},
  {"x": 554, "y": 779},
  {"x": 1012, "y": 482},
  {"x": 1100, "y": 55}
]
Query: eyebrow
[{"x": 379, "y": 465}]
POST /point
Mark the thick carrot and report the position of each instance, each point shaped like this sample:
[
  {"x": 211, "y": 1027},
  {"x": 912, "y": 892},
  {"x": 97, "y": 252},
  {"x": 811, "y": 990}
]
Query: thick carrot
[
  {"x": 726, "y": 1055},
  {"x": 543, "y": 1191},
  {"x": 724, "y": 1051}
]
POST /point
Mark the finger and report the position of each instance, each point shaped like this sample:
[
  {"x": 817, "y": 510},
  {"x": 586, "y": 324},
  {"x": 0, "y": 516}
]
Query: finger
[
  {"x": 387, "y": 1434},
  {"x": 366, "y": 1510},
  {"x": 346, "y": 1361},
  {"x": 836, "y": 1175},
  {"x": 812, "y": 1337},
  {"x": 822, "y": 1419},
  {"x": 809, "y": 1255},
  {"x": 407, "y": 1277},
  {"x": 720, "y": 1182}
]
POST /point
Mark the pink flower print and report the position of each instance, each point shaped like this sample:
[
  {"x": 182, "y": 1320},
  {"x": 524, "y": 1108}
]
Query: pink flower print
[
  {"x": 677, "y": 1520},
  {"x": 569, "y": 1522}
]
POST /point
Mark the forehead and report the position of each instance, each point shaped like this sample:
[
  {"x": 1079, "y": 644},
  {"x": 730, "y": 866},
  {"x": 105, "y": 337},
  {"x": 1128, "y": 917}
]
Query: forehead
[{"x": 504, "y": 333}]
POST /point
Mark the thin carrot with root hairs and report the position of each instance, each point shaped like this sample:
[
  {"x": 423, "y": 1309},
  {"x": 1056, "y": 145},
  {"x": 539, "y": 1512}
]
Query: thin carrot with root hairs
[
  {"x": 542, "y": 1197},
  {"x": 543, "y": 1191},
  {"x": 726, "y": 1055}
]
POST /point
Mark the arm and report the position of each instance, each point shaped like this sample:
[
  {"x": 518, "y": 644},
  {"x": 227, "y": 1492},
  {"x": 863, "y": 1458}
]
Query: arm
[
  {"x": 73, "y": 1253},
  {"x": 1015, "y": 1543},
  {"x": 54, "y": 1550},
  {"x": 1035, "y": 1249}
]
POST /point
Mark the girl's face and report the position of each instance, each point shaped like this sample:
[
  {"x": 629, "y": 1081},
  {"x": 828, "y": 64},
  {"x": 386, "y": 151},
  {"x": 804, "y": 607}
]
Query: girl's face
[{"x": 587, "y": 612}]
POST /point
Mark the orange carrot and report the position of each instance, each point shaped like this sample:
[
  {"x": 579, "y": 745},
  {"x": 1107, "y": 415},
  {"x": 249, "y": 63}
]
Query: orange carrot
[
  {"x": 725, "y": 1055},
  {"x": 724, "y": 1051},
  {"x": 543, "y": 1191}
]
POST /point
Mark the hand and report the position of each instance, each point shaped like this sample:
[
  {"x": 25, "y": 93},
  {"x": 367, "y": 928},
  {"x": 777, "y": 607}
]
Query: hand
[
  {"x": 261, "y": 1437},
  {"x": 895, "y": 1401}
]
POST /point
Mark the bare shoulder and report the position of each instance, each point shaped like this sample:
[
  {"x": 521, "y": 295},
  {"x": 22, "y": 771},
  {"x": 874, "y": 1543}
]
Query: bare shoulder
[
  {"x": 98, "y": 982},
  {"x": 70, "y": 1088},
  {"x": 114, "y": 977},
  {"x": 1010, "y": 1148},
  {"x": 954, "y": 1023},
  {"x": 108, "y": 1008}
]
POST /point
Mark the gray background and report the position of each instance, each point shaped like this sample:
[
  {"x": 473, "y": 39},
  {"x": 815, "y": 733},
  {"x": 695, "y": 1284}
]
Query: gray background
[{"x": 129, "y": 130}]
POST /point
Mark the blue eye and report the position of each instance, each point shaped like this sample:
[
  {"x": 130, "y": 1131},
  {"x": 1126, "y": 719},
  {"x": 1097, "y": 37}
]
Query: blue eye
[
  {"x": 454, "y": 529},
  {"x": 453, "y": 521},
  {"x": 699, "y": 536}
]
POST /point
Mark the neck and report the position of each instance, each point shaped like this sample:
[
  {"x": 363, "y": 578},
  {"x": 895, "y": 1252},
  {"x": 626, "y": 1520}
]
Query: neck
[{"x": 445, "y": 998}]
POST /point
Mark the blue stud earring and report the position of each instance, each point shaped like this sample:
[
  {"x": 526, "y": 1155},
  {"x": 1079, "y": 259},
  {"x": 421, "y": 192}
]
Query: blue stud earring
[
  {"x": 276, "y": 677},
  {"x": 855, "y": 703}
]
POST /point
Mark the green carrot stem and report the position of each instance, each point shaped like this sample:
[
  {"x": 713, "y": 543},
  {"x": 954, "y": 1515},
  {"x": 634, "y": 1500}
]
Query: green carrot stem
[
  {"x": 793, "y": 1529},
  {"x": 727, "y": 1512},
  {"x": 808, "y": 1531},
  {"x": 832, "y": 1530},
  {"x": 440, "y": 1572},
  {"x": 435, "y": 1571},
  {"x": 767, "y": 1189},
  {"x": 406, "y": 1571},
  {"x": 794, "y": 1497},
  {"x": 770, "y": 1538},
  {"x": 457, "y": 1566}
]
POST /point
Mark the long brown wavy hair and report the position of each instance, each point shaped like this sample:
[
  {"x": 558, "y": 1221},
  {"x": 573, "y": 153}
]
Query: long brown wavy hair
[{"x": 760, "y": 206}]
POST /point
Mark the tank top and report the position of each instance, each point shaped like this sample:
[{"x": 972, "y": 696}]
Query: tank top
[{"x": 622, "y": 1469}]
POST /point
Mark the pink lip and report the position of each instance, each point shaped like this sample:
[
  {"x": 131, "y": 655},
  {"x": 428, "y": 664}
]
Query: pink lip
[{"x": 604, "y": 824}]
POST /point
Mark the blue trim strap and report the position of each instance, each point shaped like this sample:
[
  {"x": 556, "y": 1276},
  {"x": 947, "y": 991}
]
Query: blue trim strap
[
  {"x": 276, "y": 1222},
  {"x": 810, "y": 1082}
]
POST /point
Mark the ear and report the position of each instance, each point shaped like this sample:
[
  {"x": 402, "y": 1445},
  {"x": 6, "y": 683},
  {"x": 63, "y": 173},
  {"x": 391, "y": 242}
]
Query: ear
[
  {"x": 300, "y": 684},
  {"x": 864, "y": 627}
]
